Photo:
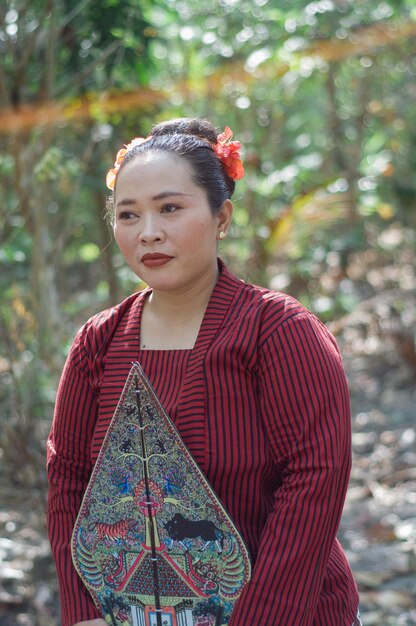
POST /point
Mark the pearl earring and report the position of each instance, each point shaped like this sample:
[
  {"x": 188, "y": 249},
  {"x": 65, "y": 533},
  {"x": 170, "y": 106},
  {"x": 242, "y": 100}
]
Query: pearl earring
[{"x": 222, "y": 235}]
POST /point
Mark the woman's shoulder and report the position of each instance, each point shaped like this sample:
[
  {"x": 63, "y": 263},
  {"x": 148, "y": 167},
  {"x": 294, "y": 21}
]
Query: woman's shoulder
[
  {"x": 272, "y": 299},
  {"x": 98, "y": 329},
  {"x": 113, "y": 314},
  {"x": 269, "y": 303},
  {"x": 272, "y": 311}
]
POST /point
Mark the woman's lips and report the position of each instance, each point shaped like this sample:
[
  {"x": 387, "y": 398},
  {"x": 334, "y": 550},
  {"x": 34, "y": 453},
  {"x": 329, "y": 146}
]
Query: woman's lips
[{"x": 155, "y": 259}]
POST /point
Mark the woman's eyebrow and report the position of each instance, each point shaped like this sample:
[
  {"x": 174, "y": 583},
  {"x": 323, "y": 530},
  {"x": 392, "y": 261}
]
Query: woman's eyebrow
[
  {"x": 168, "y": 194},
  {"x": 126, "y": 202},
  {"x": 159, "y": 196}
]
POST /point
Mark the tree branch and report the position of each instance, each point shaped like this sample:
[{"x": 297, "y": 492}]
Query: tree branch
[
  {"x": 49, "y": 75},
  {"x": 90, "y": 68}
]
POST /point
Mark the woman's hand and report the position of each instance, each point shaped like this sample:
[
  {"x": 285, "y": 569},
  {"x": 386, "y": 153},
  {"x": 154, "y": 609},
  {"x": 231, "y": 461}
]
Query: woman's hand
[{"x": 92, "y": 622}]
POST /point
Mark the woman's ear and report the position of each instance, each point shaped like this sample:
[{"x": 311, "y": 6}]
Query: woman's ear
[{"x": 224, "y": 218}]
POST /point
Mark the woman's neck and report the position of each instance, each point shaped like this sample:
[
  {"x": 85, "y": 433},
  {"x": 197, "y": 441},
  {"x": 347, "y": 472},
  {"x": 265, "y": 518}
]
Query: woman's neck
[{"x": 172, "y": 320}]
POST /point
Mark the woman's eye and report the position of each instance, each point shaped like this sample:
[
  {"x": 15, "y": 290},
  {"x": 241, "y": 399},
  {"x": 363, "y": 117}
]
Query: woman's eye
[
  {"x": 169, "y": 208},
  {"x": 126, "y": 215}
]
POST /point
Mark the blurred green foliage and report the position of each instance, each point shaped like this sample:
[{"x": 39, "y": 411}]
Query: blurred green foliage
[{"x": 321, "y": 94}]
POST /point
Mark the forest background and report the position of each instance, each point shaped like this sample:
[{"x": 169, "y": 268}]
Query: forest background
[{"x": 322, "y": 97}]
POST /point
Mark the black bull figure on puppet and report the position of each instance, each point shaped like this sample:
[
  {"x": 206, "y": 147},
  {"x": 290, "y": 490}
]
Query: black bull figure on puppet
[{"x": 180, "y": 528}]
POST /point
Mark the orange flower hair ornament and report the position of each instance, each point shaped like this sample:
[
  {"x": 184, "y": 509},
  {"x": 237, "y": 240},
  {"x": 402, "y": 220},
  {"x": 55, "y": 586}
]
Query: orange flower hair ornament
[
  {"x": 112, "y": 174},
  {"x": 229, "y": 154},
  {"x": 226, "y": 150}
]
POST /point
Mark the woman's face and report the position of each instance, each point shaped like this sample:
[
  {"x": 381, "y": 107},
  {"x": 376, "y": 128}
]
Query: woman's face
[{"x": 163, "y": 223}]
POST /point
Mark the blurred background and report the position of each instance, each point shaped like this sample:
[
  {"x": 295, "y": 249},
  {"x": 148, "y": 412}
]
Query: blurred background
[{"x": 322, "y": 97}]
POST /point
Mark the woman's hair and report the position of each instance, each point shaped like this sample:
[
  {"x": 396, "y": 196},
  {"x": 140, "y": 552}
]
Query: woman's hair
[{"x": 191, "y": 139}]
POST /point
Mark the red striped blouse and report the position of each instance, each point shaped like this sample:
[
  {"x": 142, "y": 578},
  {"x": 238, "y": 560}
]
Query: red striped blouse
[{"x": 262, "y": 403}]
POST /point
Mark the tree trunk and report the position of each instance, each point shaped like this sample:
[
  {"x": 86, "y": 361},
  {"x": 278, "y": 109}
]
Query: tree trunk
[{"x": 44, "y": 287}]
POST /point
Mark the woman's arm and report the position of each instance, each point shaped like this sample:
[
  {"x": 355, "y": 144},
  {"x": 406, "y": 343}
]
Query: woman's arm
[
  {"x": 69, "y": 468},
  {"x": 305, "y": 406}
]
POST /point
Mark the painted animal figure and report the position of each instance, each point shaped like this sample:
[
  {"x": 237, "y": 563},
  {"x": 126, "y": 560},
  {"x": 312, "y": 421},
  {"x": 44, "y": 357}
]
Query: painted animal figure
[
  {"x": 118, "y": 530},
  {"x": 180, "y": 528},
  {"x": 126, "y": 446}
]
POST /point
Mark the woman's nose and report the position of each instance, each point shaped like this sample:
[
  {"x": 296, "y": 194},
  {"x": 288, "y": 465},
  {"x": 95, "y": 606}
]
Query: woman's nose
[{"x": 150, "y": 230}]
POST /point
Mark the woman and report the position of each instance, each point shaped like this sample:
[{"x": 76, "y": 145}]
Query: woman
[{"x": 253, "y": 382}]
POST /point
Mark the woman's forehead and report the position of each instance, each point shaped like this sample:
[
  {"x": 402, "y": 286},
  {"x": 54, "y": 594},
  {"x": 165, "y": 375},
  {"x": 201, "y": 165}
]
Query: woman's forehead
[
  {"x": 157, "y": 160},
  {"x": 154, "y": 171}
]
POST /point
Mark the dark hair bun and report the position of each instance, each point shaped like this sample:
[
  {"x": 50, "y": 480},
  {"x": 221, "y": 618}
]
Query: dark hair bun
[{"x": 203, "y": 129}]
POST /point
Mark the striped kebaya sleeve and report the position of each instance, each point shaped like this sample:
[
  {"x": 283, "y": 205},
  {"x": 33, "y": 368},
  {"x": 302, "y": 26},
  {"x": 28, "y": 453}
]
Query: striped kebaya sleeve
[
  {"x": 305, "y": 407},
  {"x": 69, "y": 468}
]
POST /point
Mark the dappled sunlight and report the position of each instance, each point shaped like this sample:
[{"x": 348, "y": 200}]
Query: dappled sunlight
[{"x": 321, "y": 95}]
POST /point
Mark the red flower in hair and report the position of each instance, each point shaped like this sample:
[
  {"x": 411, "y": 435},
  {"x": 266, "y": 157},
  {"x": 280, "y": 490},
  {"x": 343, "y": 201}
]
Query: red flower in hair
[
  {"x": 229, "y": 154},
  {"x": 112, "y": 174}
]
